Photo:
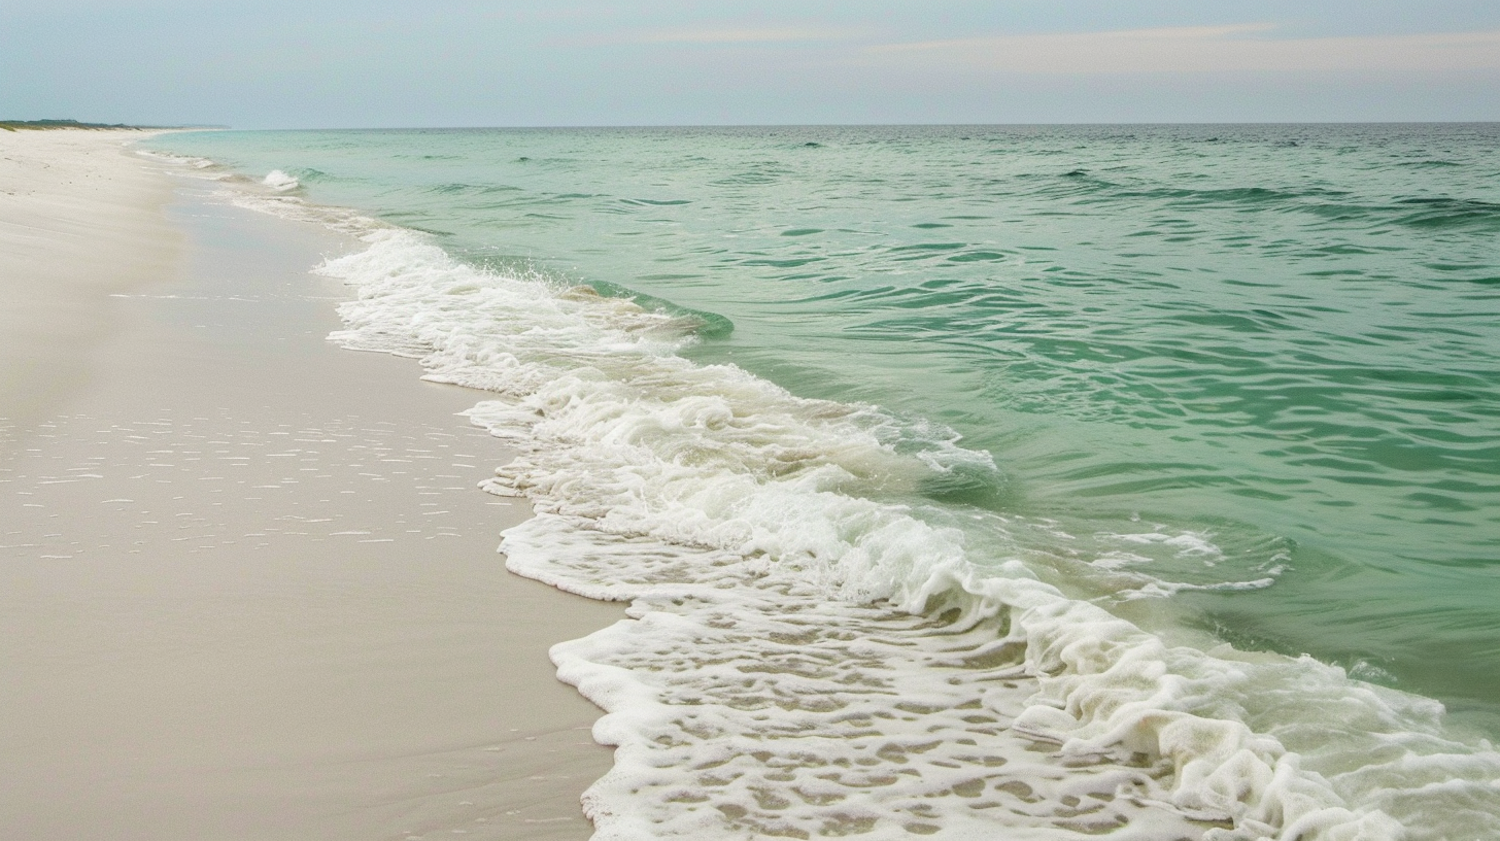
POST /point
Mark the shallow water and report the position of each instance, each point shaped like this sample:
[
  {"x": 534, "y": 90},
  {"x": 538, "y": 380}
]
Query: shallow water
[{"x": 1231, "y": 383}]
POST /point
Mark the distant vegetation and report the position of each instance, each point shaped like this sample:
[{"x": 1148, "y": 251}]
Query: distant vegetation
[
  {"x": 35, "y": 125},
  {"x": 19, "y": 125}
]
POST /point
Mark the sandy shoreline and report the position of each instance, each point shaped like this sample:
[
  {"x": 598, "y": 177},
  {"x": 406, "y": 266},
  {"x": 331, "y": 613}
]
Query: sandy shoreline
[
  {"x": 247, "y": 588},
  {"x": 70, "y": 192}
]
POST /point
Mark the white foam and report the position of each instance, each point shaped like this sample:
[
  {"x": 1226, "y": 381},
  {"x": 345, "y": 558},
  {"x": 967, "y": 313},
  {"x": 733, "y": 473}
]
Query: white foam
[
  {"x": 810, "y": 655},
  {"x": 280, "y": 181},
  {"x": 188, "y": 165}
]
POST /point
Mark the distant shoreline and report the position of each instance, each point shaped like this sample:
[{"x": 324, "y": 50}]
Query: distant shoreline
[{"x": 46, "y": 125}]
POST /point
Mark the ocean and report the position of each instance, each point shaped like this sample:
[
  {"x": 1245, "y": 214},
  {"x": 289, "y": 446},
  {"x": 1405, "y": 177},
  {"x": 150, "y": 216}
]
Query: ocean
[{"x": 1126, "y": 480}]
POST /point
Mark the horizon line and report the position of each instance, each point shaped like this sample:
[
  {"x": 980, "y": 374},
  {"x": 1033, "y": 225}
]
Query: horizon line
[{"x": 1080, "y": 123}]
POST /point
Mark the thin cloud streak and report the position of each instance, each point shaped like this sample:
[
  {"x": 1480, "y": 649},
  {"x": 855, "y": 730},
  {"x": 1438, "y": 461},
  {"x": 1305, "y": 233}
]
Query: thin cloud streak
[
  {"x": 723, "y": 35},
  {"x": 1236, "y": 48}
]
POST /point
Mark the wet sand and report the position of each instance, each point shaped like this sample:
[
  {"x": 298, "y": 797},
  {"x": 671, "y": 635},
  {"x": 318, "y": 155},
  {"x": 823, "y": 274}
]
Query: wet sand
[{"x": 247, "y": 586}]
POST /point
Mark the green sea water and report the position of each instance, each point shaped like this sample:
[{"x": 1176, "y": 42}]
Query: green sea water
[{"x": 1247, "y": 376}]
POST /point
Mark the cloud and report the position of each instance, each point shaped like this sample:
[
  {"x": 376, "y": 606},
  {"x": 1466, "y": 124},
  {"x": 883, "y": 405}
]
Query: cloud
[
  {"x": 1235, "y": 48},
  {"x": 741, "y": 36},
  {"x": 718, "y": 35}
]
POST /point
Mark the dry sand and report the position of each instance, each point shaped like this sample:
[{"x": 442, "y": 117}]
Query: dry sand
[
  {"x": 247, "y": 587},
  {"x": 77, "y": 222}
]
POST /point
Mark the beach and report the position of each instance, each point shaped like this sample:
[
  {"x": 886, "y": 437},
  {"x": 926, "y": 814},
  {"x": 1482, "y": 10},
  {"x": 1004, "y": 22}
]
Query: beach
[
  {"x": 248, "y": 588},
  {"x": 960, "y": 480}
]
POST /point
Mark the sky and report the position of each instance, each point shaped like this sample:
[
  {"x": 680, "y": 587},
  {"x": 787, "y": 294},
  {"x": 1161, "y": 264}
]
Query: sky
[{"x": 379, "y": 63}]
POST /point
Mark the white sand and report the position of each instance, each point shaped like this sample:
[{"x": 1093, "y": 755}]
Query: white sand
[
  {"x": 69, "y": 195},
  {"x": 247, "y": 588}
]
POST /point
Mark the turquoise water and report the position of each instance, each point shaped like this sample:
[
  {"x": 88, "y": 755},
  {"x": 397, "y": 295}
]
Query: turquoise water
[
  {"x": 1235, "y": 379},
  {"x": 1282, "y": 335}
]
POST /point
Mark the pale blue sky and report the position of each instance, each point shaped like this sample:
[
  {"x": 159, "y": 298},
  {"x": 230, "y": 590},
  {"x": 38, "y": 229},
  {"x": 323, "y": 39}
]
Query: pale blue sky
[{"x": 376, "y": 63}]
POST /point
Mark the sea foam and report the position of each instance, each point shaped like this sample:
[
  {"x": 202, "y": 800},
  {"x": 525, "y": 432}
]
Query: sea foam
[
  {"x": 280, "y": 181},
  {"x": 805, "y": 657}
]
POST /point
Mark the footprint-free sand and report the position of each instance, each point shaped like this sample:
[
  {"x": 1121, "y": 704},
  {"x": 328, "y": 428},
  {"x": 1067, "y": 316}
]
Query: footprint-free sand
[{"x": 247, "y": 586}]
